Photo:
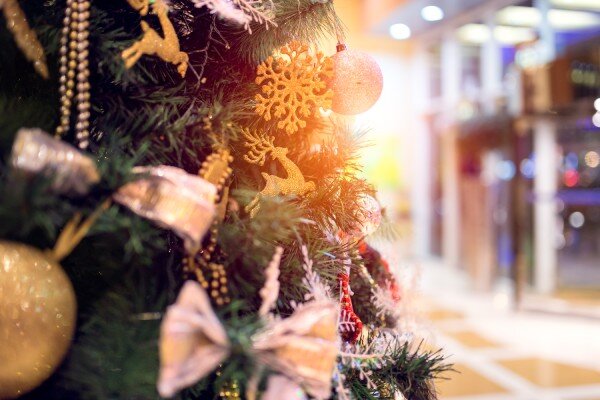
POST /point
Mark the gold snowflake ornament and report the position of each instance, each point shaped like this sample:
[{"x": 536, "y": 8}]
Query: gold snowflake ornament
[{"x": 293, "y": 86}]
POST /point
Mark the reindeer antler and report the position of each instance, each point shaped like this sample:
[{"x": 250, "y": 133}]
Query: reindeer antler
[{"x": 259, "y": 144}]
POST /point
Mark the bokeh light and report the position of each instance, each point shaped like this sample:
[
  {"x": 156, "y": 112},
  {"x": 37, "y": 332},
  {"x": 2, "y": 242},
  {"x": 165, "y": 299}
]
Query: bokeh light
[
  {"x": 592, "y": 159},
  {"x": 527, "y": 168},
  {"x": 571, "y": 161},
  {"x": 576, "y": 219},
  {"x": 571, "y": 178},
  {"x": 596, "y": 119},
  {"x": 505, "y": 170},
  {"x": 432, "y": 13},
  {"x": 400, "y": 31}
]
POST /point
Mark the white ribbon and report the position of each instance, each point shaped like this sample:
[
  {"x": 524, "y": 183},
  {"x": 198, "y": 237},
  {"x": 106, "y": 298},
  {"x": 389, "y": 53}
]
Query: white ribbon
[{"x": 193, "y": 342}]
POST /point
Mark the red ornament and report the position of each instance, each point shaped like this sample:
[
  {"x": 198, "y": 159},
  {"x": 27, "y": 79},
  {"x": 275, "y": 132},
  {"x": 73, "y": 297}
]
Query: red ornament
[
  {"x": 349, "y": 335},
  {"x": 380, "y": 269}
]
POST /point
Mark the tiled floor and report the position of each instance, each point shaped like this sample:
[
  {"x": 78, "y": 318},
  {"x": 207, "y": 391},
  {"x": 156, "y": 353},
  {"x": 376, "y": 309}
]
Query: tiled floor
[
  {"x": 551, "y": 374},
  {"x": 503, "y": 355},
  {"x": 467, "y": 382}
]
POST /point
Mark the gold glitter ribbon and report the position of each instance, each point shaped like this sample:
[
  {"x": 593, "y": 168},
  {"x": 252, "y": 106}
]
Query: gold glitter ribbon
[
  {"x": 25, "y": 37},
  {"x": 74, "y": 232},
  {"x": 174, "y": 199},
  {"x": 193, "y": 342},
  {"x": 34, "y": 152}
]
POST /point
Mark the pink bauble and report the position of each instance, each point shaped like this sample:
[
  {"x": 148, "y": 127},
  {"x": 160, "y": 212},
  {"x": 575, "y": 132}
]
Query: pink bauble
[{"x": 357, "y": 82}]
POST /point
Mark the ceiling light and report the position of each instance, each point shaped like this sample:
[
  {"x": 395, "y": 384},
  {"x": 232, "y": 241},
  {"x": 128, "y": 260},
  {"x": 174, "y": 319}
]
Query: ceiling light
[
  {"x": 432, "y": 13},
  {"x": 513, "y": 35},
  {"x": 400, "y": 31},
  {"x": 473, "y": 33},
  {"x": 559, "y": 19},
  {"x": 508, "y": 35},
  {"x": 592, "y": 5}
]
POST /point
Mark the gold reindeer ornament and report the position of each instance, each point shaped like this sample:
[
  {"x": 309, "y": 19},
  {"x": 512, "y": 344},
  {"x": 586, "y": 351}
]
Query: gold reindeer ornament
[
  {"x": 152, "y": 43},
  {"x": 294, "y": 184}
]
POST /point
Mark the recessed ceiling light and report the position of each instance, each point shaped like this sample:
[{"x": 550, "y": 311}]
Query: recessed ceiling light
[
  {"x": 400, "y": 31},
  {"x": 432, "y": 13}
]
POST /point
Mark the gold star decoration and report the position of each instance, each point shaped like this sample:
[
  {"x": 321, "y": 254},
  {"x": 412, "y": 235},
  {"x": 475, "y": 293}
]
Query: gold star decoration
[{"x": 293, "y": 86}]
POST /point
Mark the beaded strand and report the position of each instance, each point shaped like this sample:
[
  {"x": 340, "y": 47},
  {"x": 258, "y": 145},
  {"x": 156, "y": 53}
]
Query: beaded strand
[{"x": 74, "y": 66}]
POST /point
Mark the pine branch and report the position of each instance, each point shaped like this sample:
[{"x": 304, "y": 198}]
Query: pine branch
[{"x": 303, "y": 20}]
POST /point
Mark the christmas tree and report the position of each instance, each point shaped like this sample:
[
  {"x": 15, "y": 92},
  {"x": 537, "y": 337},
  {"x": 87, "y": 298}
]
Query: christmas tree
[{"x": 195, "y": 228}]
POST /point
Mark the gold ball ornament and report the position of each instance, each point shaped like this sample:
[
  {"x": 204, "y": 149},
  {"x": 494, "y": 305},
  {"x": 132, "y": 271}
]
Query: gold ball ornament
[
  {"x": 37, "y": 317},
  {"x": 357, "y": 81}
]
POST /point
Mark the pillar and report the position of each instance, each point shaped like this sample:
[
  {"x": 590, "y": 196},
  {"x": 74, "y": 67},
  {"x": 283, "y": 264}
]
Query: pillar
[
  {"x": 545, "y": 30},
  {"x": 491, "y": 68},
  {"x": 422, "y": 164},
  {"x": 545, "y": 186},
  {"x": 451, "y": 61}
]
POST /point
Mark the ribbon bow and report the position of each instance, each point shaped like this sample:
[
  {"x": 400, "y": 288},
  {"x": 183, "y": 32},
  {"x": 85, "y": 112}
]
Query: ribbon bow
[
  {"x": 174, "y": 199},
  {"x": 169, "y": 196},
  {"x": 193, "y": 342},
  {"x": 72, "y": 172}
]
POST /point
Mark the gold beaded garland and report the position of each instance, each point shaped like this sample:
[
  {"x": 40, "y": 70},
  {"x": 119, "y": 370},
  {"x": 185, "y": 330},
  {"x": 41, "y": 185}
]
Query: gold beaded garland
[
  {"x": 74, "y": 66},
  {"x": 230, "y": 389},
  {"x": 216, "y": 170}
]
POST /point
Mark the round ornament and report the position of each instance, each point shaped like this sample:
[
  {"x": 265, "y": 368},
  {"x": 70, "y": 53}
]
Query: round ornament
[
  {"x": 369, "y": 217},
  {"x": 37, "y": 317},
  {"x": 357, "y": 81}
]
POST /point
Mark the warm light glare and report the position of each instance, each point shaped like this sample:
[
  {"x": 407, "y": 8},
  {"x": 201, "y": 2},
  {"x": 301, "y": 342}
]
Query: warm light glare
[
  {"x": 432, "y": 13},
  {"x": 559, "y": 19},
  {"x": 400, "y": 31},
  {"x": 576, "y": 220},
  {"x": 325, "y": 112}
]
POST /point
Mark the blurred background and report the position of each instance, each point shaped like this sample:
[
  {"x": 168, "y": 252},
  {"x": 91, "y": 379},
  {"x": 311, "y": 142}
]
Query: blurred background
[{"x": 486, "y": 152}]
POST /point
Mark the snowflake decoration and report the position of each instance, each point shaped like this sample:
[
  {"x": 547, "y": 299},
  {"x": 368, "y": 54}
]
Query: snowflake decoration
[{"x": 294, "y": 86}]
